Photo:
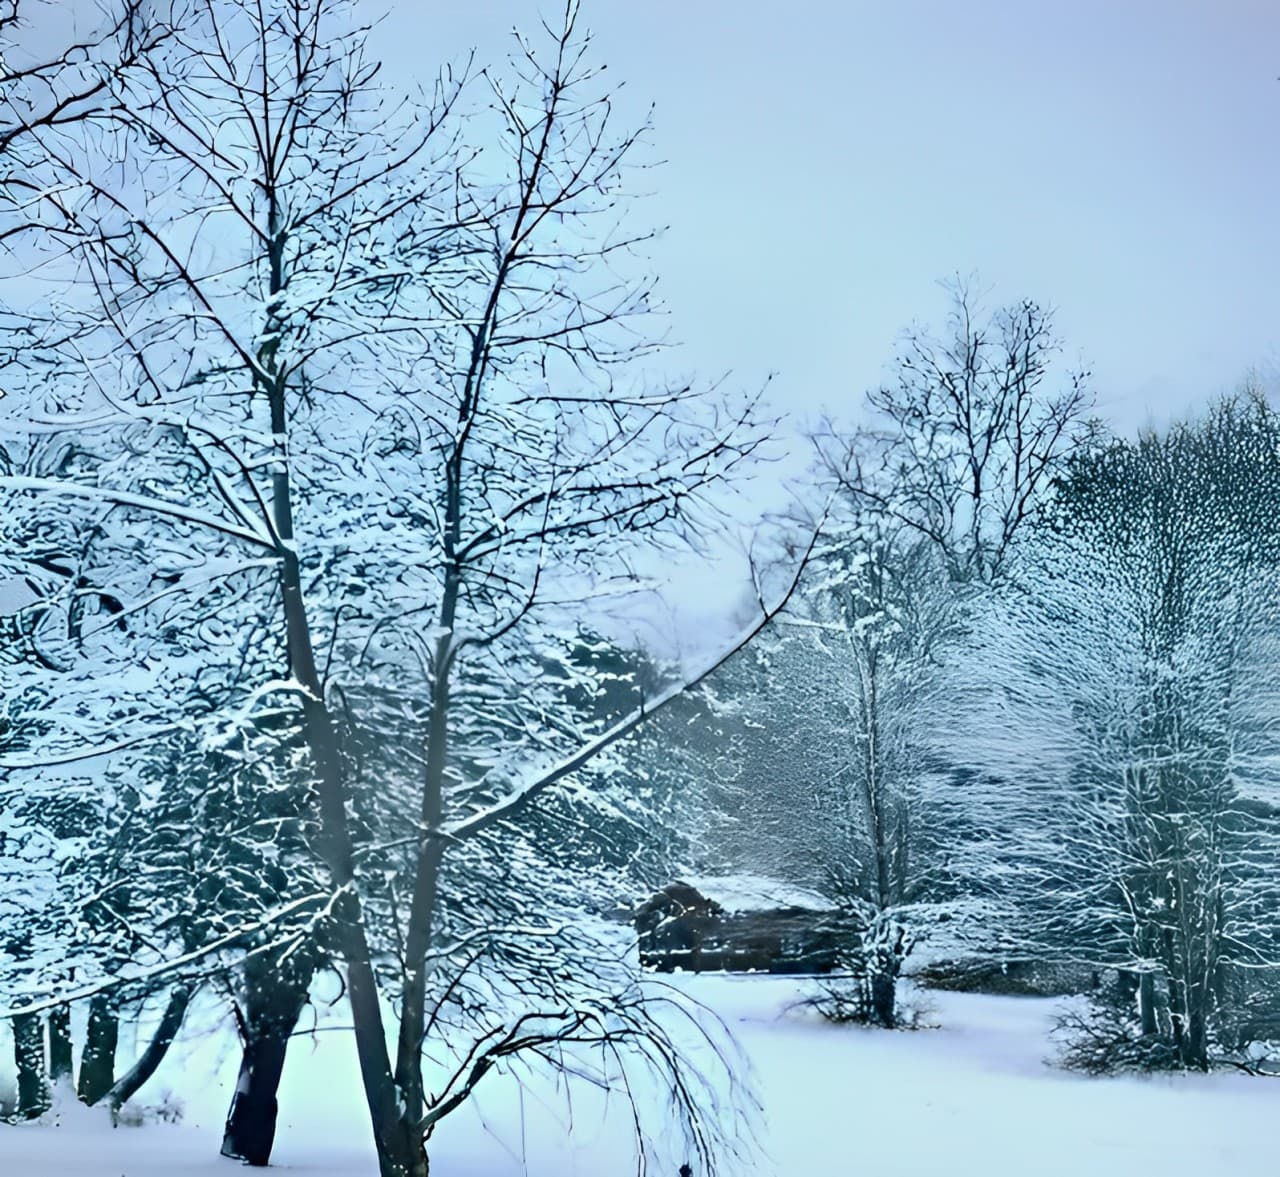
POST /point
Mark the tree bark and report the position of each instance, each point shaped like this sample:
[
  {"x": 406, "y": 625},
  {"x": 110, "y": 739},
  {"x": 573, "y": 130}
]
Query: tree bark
[
  {"x": 132, "y": 1081},
  {"x": 1147, "y": 1005},
  {"x": 60, "y": 1058},
  {"x": 401, "y": 1151},
  {"x": 884, "y": 998},
  {"x": 98, "y": 1059},
  {"x": 1196, "y": 1044},
  {"x": 250, "y": 1130},
  {"x": 28, "y": 1056},
  {"x": 275, "y": 990}
]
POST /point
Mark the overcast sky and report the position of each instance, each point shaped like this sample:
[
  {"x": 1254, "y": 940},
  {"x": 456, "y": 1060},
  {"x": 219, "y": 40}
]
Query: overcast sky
[{"x": 827, "y": 163}]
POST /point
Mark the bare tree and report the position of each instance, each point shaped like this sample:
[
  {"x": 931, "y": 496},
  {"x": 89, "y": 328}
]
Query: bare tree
[
  {"x": 398, "y": 360},
  {"x": 971, "y": 434},
  {"x": 829, "y": 767}
]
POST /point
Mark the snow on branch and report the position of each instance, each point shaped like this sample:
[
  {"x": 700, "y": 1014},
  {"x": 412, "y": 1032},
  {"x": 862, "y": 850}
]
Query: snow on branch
[{"x": 531, "y": 789}]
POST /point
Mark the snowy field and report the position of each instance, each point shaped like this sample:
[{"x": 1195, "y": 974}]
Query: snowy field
[{"x": 974, "y": 1096}]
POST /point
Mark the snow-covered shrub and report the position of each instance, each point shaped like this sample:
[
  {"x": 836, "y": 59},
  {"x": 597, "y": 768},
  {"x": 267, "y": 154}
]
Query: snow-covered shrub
[
  {"x": 168, "y": 1110},
  {"x": 850, "y": 999},
  {"x": 1103, "y": 1034}
]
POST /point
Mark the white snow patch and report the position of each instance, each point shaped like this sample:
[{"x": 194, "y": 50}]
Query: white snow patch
[
  {"x": 745, "y": 892},
  {"x": 966, "y": 1100}
]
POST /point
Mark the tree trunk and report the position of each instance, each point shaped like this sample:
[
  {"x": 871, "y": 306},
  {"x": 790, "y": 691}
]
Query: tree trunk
[
  {"x": 60, "y": 1059},
  {"x": 98, "y": 1059},
  {"x": 401, "y": 1151},
  {"x": 28, "y": 1056},
  {"x": 1147, "y": 1005},
  {"x": 170, "y": 1023},
  {"x": 274, "y": 994},
  {"x": 1196, "y": 1041},
  {"x": 407, "y": 1157},
  {"x": 1195, "y": 1038},
  {"x": 883, "y": 998}
]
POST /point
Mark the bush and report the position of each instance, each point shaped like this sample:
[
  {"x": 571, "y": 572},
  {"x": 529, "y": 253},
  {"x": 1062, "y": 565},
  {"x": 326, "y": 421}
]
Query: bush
[
  {"x": 1103, "y": 1036},
  {"x": 845, "y": 999}
]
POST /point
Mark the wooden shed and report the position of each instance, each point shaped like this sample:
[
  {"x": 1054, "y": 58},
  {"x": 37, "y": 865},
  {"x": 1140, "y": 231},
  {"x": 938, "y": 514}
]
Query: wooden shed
[{"x": 739, "y": 924}]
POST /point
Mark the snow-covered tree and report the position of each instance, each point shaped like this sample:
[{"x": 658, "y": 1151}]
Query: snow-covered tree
[
  {"x": 384, "y": 361},
  {"x": 848, "y": 770},
  {"x": 69, "y": 900},
  {"x": 880, "y": 623},
  {"x": 825, "y": 768},
  {"x": 53, "y": 79},
  {"x": 1128, "y": 698}
]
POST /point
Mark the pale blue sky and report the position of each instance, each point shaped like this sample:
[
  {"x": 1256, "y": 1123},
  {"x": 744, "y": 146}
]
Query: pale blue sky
[{"x": 827, "y": 163}]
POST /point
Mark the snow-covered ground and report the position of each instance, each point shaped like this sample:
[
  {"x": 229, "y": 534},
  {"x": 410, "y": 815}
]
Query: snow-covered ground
[{"x": 971, "y": 1097}]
